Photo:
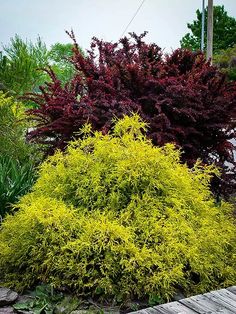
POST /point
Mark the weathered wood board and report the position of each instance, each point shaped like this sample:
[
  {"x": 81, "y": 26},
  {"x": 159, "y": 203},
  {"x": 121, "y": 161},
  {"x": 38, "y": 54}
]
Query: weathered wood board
[
  {"x": 201, "y": 304},
  {"x": 174, "y": 308},
  {"x": 232, "y": 289},
  {"x": 221, "y": 301}
]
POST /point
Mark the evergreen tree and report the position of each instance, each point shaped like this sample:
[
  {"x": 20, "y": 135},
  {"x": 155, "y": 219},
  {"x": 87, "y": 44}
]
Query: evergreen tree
[
  {"x": 224, "y": 31},
  {"x": 19, "y": 64},
  {"x": 22, "y": 61}
]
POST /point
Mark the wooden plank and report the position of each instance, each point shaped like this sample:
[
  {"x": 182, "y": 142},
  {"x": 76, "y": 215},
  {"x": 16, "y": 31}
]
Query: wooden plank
[
  {"x": 228, "y": 294},
  {"x": 174, "y": 308},
  {"x": 202, "y": 305},
  {"x": 220, "y": 300},
  {"x": 222, "y": 296},
  {"x": 156, "y": 310},
  {"x": 160, "y": 310},
  {"x": 232, "y": 289},
  {"x": 149, "y": 310},
  {"x": 140, "y": 312}
]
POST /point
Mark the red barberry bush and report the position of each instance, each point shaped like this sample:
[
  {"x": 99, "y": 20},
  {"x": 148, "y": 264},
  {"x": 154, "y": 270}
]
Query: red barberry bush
[{"x": 183, "y": 98}]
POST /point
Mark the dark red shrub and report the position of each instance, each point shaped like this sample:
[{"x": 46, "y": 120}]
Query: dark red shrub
[{"x": 183, "y": 98}]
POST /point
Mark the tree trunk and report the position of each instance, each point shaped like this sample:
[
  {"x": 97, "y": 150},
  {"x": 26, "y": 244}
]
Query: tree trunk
[{"x": 210, "y": 30}]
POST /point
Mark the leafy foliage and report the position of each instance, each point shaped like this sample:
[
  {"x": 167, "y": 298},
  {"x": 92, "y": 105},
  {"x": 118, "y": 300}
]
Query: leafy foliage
[
  {"x": 13, "y": 129},
  {"x": 59, "y": 52},
  {"x": 17, "y": 158},
  {"x": 22, "y": 63},
  {"x": 44, "y": 301},
  {"x": 224, "y": 31},
  {"x": 59, "y": 56},
  {"x": 19, "y": 65},
  {"x": 183, "y": 98},
  {"x": 226, "y": 61},
  {"x": 15, "y": 180},
  {"x": 116, "y": 217}
]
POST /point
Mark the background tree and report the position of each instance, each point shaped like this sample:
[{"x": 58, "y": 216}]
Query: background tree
[
  {"x": 226, "y": 61},
  {"x": 59, "y": 59},
  {"x": 224, "y": 31},
  {"x": 21, "y": 64}
]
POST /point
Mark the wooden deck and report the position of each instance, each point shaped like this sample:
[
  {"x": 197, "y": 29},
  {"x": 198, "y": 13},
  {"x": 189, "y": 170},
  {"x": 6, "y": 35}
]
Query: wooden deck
[{"x": 220, "y": 301}]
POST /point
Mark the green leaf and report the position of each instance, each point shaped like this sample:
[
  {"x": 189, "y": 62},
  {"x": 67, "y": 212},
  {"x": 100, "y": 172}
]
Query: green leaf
[
  {"x": 22, "y": 305},
  {"x": 154, "y": 299}
]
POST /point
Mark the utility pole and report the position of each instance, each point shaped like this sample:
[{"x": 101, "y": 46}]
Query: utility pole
[
  {"x": 210, "y": 30},
  {"x": 203, "y": 25}
]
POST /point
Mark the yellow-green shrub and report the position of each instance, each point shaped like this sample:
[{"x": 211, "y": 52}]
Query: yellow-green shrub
[
  {"x": 12, "y": 128},
  {"x": 115, "y": 216}
]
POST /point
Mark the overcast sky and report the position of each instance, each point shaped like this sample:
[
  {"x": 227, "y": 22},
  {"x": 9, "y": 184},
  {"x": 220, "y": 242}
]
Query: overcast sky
[{"x": 165, "y": 20}]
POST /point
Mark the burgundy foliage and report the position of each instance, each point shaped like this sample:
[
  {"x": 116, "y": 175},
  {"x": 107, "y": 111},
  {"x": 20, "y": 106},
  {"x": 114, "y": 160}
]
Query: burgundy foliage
[{"x": 183, "y": 98}]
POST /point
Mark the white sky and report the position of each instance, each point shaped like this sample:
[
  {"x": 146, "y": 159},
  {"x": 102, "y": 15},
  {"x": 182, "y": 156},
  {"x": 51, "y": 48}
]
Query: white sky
[{"x": 165, "y": 20}]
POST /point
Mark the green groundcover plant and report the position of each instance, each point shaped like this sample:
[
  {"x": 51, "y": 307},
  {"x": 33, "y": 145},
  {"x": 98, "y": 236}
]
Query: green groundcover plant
[{"x": 115, "y": 217}]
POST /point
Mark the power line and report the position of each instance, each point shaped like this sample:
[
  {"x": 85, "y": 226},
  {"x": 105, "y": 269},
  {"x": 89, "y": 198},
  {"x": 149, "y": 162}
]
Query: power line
[{"x": 133, "y": 18}]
